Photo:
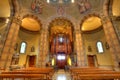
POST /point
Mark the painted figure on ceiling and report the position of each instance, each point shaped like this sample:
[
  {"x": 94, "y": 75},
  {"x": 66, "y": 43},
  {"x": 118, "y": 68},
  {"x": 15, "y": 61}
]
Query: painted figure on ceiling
[
  {"x": 37, "y": 6},
  {"x": 84, "y": 5}
]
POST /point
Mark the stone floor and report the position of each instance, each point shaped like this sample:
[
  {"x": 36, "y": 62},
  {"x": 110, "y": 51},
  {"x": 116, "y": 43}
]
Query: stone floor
[{"x": 61, "y": 75}]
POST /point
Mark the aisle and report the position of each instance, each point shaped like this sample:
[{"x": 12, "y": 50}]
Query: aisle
[{"x": 61, "y": 75}]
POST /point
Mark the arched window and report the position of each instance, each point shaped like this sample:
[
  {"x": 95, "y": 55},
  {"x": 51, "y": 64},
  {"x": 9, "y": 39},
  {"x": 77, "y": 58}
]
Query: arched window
[
  {"x": 23, "y": 47},
  {"x": 100, "y": 47}
]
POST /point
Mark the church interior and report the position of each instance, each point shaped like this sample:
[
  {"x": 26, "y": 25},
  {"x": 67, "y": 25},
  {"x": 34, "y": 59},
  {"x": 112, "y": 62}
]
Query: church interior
[{"x": 46, "y": 39}]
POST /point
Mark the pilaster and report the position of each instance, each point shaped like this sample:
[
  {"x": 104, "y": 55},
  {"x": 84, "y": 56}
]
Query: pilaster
[{"x": 43, "y": 53}]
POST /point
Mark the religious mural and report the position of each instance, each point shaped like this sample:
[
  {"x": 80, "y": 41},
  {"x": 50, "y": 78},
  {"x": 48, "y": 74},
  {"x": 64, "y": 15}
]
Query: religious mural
[
  {"x": 84, "y": 5},
  {"x": 37, "y": 6}
]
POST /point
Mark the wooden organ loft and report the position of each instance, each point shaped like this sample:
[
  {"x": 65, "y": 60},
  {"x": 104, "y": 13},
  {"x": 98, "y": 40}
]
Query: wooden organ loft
[{"x": 61, "y": 47}]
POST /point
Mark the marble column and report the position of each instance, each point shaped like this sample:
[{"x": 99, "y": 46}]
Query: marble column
[
  {"x": 11, "y": 38},
  {"x": 43, "y": 53}
]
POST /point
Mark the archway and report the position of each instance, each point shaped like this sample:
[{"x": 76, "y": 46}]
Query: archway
[
  {"x": 29, "y": 32},
  {"x": 95, "y": 47},
  {"x": 61, "y": 42}
]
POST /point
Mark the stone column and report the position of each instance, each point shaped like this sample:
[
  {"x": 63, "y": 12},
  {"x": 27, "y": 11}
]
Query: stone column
[
  {"x": 81, "y": 59},
  {"x": 43, "y": 48},
  {"x": 40, "y": 56},
  {"x": 11, "y": 38},
  {"x": 112, "y": 40}
]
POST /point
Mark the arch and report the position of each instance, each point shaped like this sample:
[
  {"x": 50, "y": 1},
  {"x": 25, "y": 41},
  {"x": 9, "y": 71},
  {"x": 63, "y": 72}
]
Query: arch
[
  {"x": 62, "y": 27},
  {"x": 67, "y": 17},
  {"x": 61, "y": 18},
  {"x": 37, "y": 22},
  {"x": 95, "y": 15},
  {"x": 32, "y": 16}
]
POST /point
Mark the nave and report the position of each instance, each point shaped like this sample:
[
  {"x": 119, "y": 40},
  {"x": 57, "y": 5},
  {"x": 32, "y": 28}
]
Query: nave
[{"x": 36, "y": 32}]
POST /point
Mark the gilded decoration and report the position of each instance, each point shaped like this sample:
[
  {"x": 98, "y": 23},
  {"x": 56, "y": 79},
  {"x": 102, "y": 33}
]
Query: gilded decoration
[{"x": 61, "y": 26}]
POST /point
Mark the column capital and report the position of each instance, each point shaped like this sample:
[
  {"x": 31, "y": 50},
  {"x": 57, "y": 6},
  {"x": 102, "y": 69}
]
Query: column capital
[
  {"x": 17, "y": 20},
  {"x": 105, "y": 19}
]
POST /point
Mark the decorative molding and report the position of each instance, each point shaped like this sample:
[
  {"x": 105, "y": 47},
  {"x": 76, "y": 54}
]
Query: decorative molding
[{"x": 105, "y": 19}]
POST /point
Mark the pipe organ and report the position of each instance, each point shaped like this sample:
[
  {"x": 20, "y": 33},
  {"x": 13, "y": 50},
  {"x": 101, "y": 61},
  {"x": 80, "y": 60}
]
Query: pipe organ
[{"x": 61, "y": 43}]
